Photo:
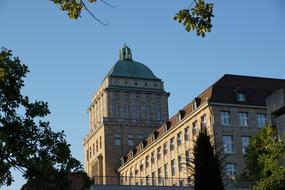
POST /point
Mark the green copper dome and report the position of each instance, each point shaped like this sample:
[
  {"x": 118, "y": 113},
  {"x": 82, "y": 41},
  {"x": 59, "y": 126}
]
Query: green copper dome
[{"x": 126, "y": 67}]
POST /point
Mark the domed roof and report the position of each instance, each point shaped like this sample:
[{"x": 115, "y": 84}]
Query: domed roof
[{"x": 126, "y": 67}]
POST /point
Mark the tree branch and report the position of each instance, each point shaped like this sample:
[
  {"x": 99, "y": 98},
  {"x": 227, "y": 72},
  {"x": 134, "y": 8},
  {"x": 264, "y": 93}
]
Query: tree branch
[
  {"x": 108, "y": 4},
  {"x": 105, "y": 24}
]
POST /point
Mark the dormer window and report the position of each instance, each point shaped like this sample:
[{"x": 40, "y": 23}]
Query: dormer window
[
  {"x": 122, "y": 161},
  {"x": 153, "y": 136},
  {"x": 180, "y": 115},
  {"x": 165, "y": 128},
  {"x": 241, "y": 97},
  {"x": 141, "y": 146},
  {"x": 195, "y": 104}
]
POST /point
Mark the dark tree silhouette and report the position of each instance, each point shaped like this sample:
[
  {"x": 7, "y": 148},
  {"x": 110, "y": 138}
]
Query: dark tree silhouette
[
  {"x": 206, "y": 165},
  {"x": 27, "y": 142}
]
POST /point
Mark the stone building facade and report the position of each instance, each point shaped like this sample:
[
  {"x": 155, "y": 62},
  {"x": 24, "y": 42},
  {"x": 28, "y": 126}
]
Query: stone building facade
[
  {"x": 232, "y": 110},
  {"x": 130, "y": 103},
  {"x": 276, "y": 111},
  {"x": 131, "y": 136}
]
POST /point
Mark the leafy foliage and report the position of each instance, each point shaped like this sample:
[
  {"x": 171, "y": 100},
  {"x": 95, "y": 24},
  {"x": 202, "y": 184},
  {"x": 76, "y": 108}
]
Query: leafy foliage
[
  {"x": 206, "y": 164},
  {"x": 197, "y": 18},
  {"x": 73, "y": 7},
  {"x": 273, "y": 182},
  {"x": 264, "y": 160},
  {"x": 27, "y": 143}
]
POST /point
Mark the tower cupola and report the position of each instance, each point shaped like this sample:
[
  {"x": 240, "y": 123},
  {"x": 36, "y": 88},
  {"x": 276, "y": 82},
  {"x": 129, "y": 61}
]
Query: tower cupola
[{"x": 125, "y": 53}]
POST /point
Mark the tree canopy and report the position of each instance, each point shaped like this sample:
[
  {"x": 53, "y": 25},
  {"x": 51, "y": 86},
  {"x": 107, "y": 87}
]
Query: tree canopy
[
  {"x": 197, "y": 17},
  {"x": 27, "y": 142},
  {"x": 265, "y": 160}
]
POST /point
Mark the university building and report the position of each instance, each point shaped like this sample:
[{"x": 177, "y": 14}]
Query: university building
[
  {"x": 131, "y": 136},
  {"x": 130, "y": 103}
]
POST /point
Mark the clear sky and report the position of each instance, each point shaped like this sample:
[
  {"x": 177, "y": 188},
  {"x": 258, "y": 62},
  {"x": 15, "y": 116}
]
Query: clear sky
[{"x": 69, "y": 58}]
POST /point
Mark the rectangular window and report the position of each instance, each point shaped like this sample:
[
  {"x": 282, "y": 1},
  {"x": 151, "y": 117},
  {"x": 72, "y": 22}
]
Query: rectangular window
[
  {"x": 158, "y": 153},
  {"x": 130, "y": 140},
  {"x": 231, "y": 170},
  {"x": 90, "y": 152},
  {"x": 180, "y": 163},
  {"x": 179, "y": 138},
  {"x": 132, "y": 172},
  {"x": 137, "y": 169},
  {"x": 137, "y": 112},
  {"x": 127, "y": 99},
  {"x": 228, "y": 144},
  {"x": 153, "y": 178},
  {"x": 173, "y": 167},
  {"x": 152, "y": 157},
  {"x": 165, "y": 148},
  {"x": 100, "y": 142},
  {"x": 204, "y": 121},
  {"x": 240, "y": 97},
  {"x": 187, "y": 155},
  {"x": 194, "y": 128},
  {"x": 147, "y": 110},
  {"x": 122, "y": 161},
  {"x": 244, "y": 143},
  {"x": 186, "y": 133},
  {"x": 147, "y": 161},
  {"x": 172, "y": 144},
  {"x": 87, "y": 154},
  {"x": 243, "y": 119},
  {"x": 158, "y": 115},
  {"x": 116, "y": 110},
  {"x": 140, "y": 137},
  {"x": 117, "y": 139},
  {"x": 165, "y": 128},
  {"x": 126, "y": 111},
  {"x": 141, "y": 165},
  {"x": 159, "y": 173},
  {"x": 166, "y": 170},
  {"x": 194, "y": 105},
  {"x": 93, "y": 148},
  {"x": 225, "y": 118},
  {"x": 261, "y": 120},
  {"x": 147, "y": 180},
  {"x": 96, "y": 145}
]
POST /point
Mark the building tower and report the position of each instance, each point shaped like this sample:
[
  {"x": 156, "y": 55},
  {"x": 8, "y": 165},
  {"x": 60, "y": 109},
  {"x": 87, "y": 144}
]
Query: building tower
[{"x": 130, "y": 103}]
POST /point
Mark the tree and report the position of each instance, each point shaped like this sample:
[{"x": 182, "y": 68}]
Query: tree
[
  {"x": 27, "y": 142},
  {"x": 206, "y": 164},
  {"x": 265, "y": 155},
  {"x": 197, "y": 17}
]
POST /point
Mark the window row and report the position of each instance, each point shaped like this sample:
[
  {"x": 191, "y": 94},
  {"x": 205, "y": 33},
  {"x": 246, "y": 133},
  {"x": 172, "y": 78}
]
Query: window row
[
  {"x": 136, "y": 83},
  {"x": 131, "y": 138},
  {"x": 150, "y": 159},
  {"x": 163, "y": 172},
  {"x": 225, "y": 118},
  {"x": 94, "y": 148},
  {"x": 136, "y": 112},
  {"x": 228, "y": 144}
]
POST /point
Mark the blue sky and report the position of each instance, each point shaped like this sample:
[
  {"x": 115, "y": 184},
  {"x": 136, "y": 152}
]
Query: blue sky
[{"x": 69, "y": 58}]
